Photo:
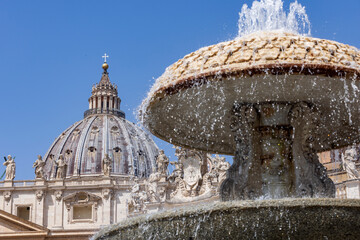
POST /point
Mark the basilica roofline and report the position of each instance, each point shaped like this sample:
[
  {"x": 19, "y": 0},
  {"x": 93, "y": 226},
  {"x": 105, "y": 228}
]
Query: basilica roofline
[{"x": 82, "y": 182}]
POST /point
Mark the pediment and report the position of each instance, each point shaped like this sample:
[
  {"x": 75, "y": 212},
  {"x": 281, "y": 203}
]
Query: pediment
[
  {"x": 81, "y": 197},
  {"x": 11, "y": 225}
]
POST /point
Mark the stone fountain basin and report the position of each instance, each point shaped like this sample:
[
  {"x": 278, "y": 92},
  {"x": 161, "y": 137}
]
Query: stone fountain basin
[
  {"x": 260, "y": 219},
  {"x": 198, "y": 115}
]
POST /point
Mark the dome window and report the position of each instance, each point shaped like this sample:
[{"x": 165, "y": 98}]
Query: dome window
[
  {"x": 114, "y": 130},
  {"x": 92, "y": 149},
  {"x": 117, "y": 149},
  {"x": 95, "y": 129},
  {"x": 68, "y": 152}
]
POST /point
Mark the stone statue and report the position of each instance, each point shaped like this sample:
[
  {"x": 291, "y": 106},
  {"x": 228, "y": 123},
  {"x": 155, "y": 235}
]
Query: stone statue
[
  {"x": 39, "y": 167},
  {"x": 137, "y": 200},
  {"x": 178, "y": 171},
  {"x": 106, "y": 165},
  {"x": 61, "y": 167},
  {"x": 162, "y": 163},
  {"x": 151, "y": 185},
  {"x": 221, "y": 167},
  {"x": 10, "y": 168},
  {"x": 348, "y": 164}
]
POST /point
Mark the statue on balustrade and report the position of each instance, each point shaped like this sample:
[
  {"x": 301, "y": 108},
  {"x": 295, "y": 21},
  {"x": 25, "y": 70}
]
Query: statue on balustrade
[
  {"x": 162, "y": 162},
  {"x": 61, "y": 167},
  {"x": 10, "y": 168},
  {"x": 39, "y": 167},
  {"x": 348, "y": 164}
]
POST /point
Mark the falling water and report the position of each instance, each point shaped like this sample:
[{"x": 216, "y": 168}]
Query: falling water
[
  {"x": 269, "y": 15},
  {"x": 264, "y": 15}
]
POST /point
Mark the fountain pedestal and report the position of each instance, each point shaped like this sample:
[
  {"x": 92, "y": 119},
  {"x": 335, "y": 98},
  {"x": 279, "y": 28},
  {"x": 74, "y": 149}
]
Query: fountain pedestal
[{"x": 274, "y": 155}]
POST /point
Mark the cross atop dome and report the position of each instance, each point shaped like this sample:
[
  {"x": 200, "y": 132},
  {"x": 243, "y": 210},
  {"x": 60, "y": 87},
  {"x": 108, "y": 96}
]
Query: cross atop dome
[
  {"x": 104, "y": 57},
  {"x": 105, "y": 66}
]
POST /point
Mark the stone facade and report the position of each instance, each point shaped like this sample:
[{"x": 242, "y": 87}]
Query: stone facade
[
  {"x": 345, "y": 179},
  {"x": 80, "y": 206},
  {"x": 102, "y": 170}
]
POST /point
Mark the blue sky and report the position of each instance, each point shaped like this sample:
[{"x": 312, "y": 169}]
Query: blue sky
[{"x": 50, "y": 55}]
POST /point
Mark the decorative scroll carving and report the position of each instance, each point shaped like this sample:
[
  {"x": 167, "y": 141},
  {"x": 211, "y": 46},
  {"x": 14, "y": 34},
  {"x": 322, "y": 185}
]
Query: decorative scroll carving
[
  {"x": 311, "y": 177},
  {"x": 242, "y": 182},
  {"x": 10, "y": 168}
]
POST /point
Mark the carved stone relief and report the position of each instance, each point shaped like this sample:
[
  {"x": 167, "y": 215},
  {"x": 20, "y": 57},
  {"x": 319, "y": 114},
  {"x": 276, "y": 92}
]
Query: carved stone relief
[
  {"x": 106, "y": 193},
  {"x": 39, "y": 195},
  {"x": 58, "y": 195},
  {"x": 191, "y": 176},
  {"x": 243, "y": 181},
  {"x": 275, "y": 154},
  {"x": 311, "y": 177},
  {"x": 7, "y": 195}
]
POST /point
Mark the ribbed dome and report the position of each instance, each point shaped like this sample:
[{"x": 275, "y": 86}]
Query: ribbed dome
[{"x": 104, "y": 130}]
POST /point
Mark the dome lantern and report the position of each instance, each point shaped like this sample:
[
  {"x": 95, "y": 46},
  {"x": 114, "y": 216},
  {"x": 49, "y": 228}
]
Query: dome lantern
[{"x": 104, "y": 96}]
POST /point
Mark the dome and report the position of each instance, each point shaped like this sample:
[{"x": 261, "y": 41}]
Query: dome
[{"x": 104, "y": 130}]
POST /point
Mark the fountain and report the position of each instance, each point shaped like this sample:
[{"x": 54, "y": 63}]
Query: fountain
[{"x": 272, "y": 98}]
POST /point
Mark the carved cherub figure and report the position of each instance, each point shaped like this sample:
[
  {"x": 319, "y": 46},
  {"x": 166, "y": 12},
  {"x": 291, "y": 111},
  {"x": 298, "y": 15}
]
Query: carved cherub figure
[
  {"x": 39, "y": 167},
  {"x": 10, "y": 168}
]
